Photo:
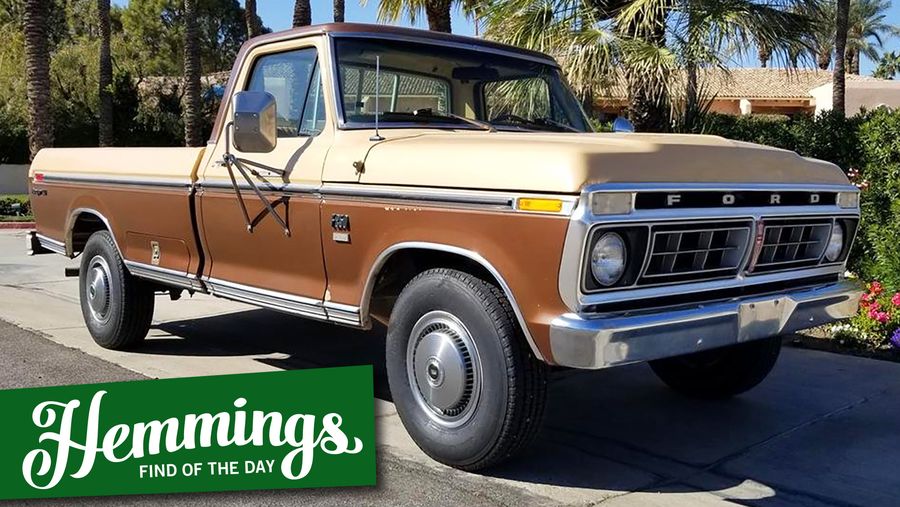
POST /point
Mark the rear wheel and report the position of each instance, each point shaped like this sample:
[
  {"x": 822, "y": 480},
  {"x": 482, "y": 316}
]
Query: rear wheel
[
  {"x": 720, "y": 373},
  {"x": 466, "y": 386},
  {"x": 117, "y": 307}
]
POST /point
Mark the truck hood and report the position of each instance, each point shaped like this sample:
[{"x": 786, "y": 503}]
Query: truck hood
[{"x": 564, "y": 163}]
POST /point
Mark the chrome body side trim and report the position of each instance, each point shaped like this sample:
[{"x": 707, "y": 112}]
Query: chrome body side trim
[
  {"x": 164, "y": 276},
  {"x": 51, "y": 244},
  {"x": 342, "y": 314},
  {"x": 115, "y": 180},
  {"x": 386, "y": 254},
  {"x": 590, "y": 341},
  {"x": 288, "y": 303},
  {"x": 582, "y": 221}
]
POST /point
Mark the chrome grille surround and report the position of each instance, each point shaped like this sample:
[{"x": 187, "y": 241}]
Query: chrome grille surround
[{"x": 583, "y": 225}]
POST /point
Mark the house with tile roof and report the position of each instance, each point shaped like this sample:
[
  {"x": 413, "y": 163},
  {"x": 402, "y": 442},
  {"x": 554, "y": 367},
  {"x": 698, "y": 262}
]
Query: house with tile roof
[{"x": 770, "y": 91}]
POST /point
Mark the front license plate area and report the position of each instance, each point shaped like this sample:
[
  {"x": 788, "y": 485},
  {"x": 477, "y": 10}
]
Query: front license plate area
[{"x": 761, "y": 319}]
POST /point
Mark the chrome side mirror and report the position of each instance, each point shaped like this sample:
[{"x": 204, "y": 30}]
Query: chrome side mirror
[
  {"x": 255, "y": 126},
  {"x": 621, "y": 124}
]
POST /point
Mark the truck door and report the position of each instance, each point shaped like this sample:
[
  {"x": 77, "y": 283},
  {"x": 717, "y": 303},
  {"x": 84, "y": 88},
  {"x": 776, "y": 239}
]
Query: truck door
[{"x": 267, "y": 263}]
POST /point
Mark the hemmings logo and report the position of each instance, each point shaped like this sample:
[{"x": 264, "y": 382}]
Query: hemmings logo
[
  {"x": 306, "y": 428},
  {"x": 123, "y": 442}
]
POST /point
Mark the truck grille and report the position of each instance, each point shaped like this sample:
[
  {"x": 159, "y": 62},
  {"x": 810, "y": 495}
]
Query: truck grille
[
  {"x": 696, "y": 251},
  {"x": 788, "y": 244}
]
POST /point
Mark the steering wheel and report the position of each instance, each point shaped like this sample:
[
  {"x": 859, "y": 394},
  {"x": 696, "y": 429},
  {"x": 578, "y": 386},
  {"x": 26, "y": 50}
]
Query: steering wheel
[{"x": 508, "y": 117}]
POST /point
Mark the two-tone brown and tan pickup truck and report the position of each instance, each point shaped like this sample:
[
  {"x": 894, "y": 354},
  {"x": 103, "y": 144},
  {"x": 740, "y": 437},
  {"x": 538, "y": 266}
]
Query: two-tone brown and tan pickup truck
[{"x": 452, "y": 189}]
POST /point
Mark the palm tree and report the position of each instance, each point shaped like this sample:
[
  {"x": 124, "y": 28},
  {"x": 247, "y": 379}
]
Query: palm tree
[
  {"x": 338, "y": 11},
  {"x": 645, "y": 43},
  {"x": 254, "y": 24},
  {"x": 302, "y": 13},
  {"x": 888, "y": 67},
  {"x": 105, "y": 123},
  {"x": 867, "y": 31},
  {"x": 841, "y": 22},
  {"x": 436, "y": 11},
  {"x": 37, "y": 75},
  {"x": 193, "y": 135}
]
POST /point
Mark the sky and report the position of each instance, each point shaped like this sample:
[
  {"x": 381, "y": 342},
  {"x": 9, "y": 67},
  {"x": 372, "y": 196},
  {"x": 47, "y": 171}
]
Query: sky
[{"x": 276, "y": 14}]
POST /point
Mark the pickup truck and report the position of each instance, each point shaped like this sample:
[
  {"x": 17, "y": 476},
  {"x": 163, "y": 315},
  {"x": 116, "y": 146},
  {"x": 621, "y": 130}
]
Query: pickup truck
[{"x": 452, "y": 189}]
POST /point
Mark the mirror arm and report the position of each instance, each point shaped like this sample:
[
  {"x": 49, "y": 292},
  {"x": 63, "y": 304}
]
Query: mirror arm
[{"x": 230, "y": 163}]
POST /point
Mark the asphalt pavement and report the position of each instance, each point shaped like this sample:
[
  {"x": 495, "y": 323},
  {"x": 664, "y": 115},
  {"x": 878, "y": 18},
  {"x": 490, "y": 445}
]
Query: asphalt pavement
[{"x": 822, "y": 430}]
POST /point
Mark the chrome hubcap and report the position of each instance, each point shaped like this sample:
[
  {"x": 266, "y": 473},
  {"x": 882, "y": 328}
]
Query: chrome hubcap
[
  {"x": 98, "y": 288},
  {"x": 444, "y": 368}
]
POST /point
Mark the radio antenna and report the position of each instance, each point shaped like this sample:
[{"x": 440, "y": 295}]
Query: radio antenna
[{"x": 377, "y": 136}]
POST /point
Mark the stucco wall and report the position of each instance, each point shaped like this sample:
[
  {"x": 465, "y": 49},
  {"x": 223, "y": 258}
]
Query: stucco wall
[
  {"x": 13, "y": 179},
  {"x": 859, "y": 95}
]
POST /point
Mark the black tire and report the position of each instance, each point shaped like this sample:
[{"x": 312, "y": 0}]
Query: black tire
[
  {"x": 505, "y": 405},
  {"x": 720, "y": 373},
  {"x": 119, "y": 313}
]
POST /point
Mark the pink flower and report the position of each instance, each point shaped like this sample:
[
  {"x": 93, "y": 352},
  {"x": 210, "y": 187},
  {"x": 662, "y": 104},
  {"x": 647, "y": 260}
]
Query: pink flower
[
  {"x": 895, "y": 300},
  {"x": 882, "y": 317}
]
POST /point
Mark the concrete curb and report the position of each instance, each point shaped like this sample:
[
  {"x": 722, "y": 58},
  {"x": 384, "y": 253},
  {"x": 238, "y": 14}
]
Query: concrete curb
[{"x": 16, "y": 225}]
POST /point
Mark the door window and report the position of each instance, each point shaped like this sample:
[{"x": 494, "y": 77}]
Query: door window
[{"x": 293, "y": 79}]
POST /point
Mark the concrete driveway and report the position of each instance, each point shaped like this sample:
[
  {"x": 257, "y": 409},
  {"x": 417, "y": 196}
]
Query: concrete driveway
[{"x": 824, "y": 429}]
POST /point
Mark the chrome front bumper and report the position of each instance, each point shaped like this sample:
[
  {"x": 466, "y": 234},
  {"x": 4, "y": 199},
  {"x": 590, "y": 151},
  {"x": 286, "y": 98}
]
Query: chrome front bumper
[{"x": 584, "y": 341}]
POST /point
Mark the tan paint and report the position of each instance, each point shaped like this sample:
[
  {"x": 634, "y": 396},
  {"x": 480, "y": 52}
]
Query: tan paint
[
  {"x": 155, "y": 163},
  {"x": 564, "y": 163}
]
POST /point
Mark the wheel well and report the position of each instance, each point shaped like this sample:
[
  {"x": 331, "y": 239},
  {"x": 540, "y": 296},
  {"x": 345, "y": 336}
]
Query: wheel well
[
  {"x": 85, "y": 224},
  {"x": 403, "y": 265}
]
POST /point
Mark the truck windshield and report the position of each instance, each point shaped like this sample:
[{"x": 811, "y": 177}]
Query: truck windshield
[{"x": 424, "y": 85}]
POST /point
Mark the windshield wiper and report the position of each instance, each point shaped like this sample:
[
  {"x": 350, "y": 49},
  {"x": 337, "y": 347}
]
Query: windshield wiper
[
  {"x": 544, "y": 124},
  {"x": 429, "y": 113}
]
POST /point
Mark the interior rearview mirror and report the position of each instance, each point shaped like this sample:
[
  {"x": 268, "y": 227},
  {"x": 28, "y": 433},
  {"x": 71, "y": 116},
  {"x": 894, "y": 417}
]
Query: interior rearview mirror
[{"x": 255, "y": 128}]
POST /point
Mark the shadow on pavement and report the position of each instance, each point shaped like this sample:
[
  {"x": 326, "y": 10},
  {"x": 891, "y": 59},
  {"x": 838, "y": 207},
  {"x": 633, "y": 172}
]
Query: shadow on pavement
[{"x": 621, "y": 430}]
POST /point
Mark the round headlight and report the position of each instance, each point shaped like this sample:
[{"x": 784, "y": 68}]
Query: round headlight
[
  {"x": 835, "y": 243},
  {"x": 608, "y": 259}
]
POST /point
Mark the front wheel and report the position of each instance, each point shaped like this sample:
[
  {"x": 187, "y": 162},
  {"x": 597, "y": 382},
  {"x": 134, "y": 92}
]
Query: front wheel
[
  {"x": 117, "y": 307},
  {"x": 720, "y": 373},
  {"x": 466, "y": 386}
]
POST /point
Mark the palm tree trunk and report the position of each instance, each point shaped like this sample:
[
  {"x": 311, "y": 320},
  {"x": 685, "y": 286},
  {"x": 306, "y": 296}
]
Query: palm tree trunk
[
  {"x": 254, "y": 24},
  {"x": 338, "y": 11},
  {"x": 854, "y": 65},
  {"x": 302, "y": 13},
  {"x": 106, "y": 99},
  {"x": 193, "y": 135},
  {"x": 37, "y": 75},
  {"x": 840, "y": 45},
  {"x": 438, "y": 13}
]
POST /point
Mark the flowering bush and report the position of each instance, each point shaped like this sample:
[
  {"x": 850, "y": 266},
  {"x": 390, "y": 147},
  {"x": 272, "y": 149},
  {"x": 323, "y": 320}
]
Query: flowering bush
[{"x": 877, "y": 325}]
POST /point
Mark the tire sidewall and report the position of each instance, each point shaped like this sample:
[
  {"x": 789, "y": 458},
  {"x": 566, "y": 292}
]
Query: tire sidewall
[
  {"x": 467, "y": 443},
  {"x": 100, "y": 244}
]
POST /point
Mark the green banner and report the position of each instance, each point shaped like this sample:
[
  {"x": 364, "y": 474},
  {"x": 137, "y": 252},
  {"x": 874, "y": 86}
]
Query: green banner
[{"x": 291, "y": 429}]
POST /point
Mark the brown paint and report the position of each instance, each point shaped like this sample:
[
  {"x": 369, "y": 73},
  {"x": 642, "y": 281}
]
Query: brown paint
[
  {"x": 265, "y": 258},
  {"x": 142, "y": 212},
  {"x": 526, "y": 249}
]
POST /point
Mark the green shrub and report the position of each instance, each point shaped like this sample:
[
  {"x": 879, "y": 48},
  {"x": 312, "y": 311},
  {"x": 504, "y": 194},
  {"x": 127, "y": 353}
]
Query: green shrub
[
  {"x": 877, "y": 256},
  {"x": 827, "y": 136},
  {"x": 15, "y": 205},
  {"x": 13, "y": 138}
]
